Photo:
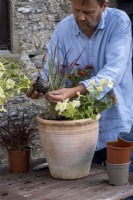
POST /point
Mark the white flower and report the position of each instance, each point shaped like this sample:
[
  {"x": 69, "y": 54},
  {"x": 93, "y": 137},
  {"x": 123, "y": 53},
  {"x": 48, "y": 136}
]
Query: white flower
[
  {"x": 61, "y": 106},
  {"x": 99, "y": 88},
  {"x": 1, "y": 90},
  {"x": 91, "y": 89},
  {"x": 2, "y": 68},
  {"x": 92, "y": 82},
  {"x": 10, "y": 84},
  {"x": 110, "y": 84},
  {"x": 103, "y": 81},
  {"x": 2, "y": 96},
  {"x": 2, "y": 109},
  {"x": 75, "y": 103},
  {"x": 1, "y": 74},
  {"x": 78, "y": 93}
]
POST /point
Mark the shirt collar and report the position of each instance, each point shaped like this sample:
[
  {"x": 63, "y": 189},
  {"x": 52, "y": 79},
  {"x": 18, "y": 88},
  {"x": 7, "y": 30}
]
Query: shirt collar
[{"x": 101, "y": 24}]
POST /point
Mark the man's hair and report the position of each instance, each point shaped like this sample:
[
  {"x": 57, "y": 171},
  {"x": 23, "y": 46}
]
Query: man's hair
[{"x": 100, "y": 2}]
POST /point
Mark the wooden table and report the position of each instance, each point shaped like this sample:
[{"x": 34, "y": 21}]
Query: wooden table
[{"x": 39, "y": 185}]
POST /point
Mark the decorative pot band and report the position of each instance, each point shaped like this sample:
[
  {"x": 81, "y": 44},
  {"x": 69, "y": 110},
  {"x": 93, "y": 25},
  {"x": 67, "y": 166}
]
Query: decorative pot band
[{"x": 78, "y": 122}]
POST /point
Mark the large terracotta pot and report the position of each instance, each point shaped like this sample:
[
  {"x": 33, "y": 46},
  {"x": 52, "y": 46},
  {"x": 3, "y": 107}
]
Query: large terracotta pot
[{"x": 69, "y": 146}]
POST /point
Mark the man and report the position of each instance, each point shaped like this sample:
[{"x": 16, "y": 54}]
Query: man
[{"x": 105, "y": 35}]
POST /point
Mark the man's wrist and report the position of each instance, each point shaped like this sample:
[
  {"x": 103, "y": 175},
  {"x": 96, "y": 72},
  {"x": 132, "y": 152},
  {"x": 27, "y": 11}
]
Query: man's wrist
[{"x": 81, "y": 88}]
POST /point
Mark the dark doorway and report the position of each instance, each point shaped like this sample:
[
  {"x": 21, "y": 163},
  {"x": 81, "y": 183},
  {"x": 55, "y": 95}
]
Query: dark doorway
[{"x": 5, "y": 25}]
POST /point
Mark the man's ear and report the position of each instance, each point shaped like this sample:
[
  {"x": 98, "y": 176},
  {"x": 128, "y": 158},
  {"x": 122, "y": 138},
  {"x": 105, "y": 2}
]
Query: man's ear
[
  {"x": 105, "y": 5},
  {"x": 107, "y": 1}
]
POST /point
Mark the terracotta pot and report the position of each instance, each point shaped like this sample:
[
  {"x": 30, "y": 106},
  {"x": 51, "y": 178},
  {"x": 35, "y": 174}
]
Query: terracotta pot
[
  {"x": 69, "y": 146},
  {"x": 19, "y": 160},
  {"x": 125, "y": 138},
  {"x": 118, "y": 174},
  {"x": 118, "y": 153}
]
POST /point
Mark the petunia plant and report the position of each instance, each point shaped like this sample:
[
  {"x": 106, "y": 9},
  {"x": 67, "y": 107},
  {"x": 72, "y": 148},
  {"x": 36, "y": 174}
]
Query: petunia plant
[
  {"x": 89, "y": 105},
  {"x": 12, "y": 81}
]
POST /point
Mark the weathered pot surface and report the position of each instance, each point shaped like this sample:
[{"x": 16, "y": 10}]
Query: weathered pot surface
[{"x": 69, "y": 146}]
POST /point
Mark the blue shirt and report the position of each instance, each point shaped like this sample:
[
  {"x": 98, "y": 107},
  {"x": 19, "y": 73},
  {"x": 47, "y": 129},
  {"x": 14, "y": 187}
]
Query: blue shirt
[{"x": 109, "y": 50}]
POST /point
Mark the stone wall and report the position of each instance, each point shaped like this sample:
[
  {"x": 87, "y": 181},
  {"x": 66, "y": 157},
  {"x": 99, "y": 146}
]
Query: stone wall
[
  {"x": 32, "y": 24},
  {"x": 35, "y": 21}
]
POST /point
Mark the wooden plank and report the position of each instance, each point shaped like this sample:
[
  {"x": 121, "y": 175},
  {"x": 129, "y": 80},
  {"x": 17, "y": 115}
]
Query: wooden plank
[
  {"x": 6, "y": 195},
  {"x": 39, "y": 185}
]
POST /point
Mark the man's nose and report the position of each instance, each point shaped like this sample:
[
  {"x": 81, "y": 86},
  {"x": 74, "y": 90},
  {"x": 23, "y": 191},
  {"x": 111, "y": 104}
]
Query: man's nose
[{"x": 81, "y": 17}]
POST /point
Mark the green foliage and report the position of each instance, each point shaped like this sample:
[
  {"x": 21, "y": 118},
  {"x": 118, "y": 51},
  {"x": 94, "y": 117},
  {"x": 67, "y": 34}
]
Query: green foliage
[
  {"x": 12, "y": 81},
  {"x": 58, "y": 74},
  {"x": 86, "y": 106}
]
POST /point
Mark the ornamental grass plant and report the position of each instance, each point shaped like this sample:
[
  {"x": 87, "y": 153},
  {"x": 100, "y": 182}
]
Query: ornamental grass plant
[{"x": 18, "y": 133}]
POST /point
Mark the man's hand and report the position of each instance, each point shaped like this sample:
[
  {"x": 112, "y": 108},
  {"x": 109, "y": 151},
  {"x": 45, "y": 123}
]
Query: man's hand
[
  {"x": 35, "y": 95},
  {"x": 64, "y": 93},
  {"x": 39, "y": 88}
]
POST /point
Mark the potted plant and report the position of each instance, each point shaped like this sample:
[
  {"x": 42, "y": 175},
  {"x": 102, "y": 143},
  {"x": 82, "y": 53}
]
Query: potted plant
[
  {"x": 70, "y": 141},
  {"x": 16, "y": 136},
  {"x": 69, "y": 130}
]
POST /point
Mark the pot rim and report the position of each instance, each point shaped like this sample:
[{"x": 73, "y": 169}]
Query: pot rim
[
  {"x": 129, "y": 146},
  {"x": 122, "y": 164},
  {"x": 68, "y": 122},
  {"x": 24, "y": 150}
]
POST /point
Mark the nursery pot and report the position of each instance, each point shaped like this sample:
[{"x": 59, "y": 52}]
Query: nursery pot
[
  {"x": 19, "y": 160},
  {"x": 125, "y": 138},
  {"x": 118, "y": 153},
  {"x": 69, "y": 146},
  {"x": 118, "y": 174}
]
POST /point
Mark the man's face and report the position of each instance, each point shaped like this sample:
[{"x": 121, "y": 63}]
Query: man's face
[{"x": 87, "y": 15}]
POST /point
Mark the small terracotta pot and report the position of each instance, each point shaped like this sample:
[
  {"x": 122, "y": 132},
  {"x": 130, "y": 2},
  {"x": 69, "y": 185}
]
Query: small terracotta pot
[
  {"x": 125, "y": 138},
  {"x": 19, "y": 160},
  {"x": 118, "y": 153}
]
